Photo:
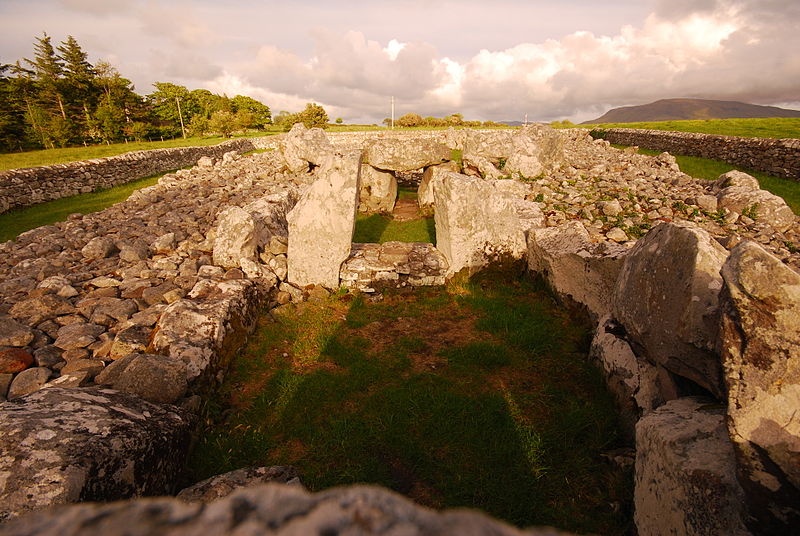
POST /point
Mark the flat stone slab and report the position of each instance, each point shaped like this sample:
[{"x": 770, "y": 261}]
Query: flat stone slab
[{"x": 393, "y": 265}]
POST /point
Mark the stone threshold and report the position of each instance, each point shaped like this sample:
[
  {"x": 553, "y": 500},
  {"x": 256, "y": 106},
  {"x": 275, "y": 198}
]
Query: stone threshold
[{"x": 372, "y": 267}]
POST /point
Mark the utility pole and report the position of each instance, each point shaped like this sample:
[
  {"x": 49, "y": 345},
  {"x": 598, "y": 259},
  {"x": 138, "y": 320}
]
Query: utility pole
[
  {"x": 526, "y": 119},
  {"x": 180, "y": 114},
  {"x": 392, "y": 112}
]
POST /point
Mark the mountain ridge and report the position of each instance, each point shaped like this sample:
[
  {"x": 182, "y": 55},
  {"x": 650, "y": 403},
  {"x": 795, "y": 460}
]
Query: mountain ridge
[{"x": 684, "y": 108}]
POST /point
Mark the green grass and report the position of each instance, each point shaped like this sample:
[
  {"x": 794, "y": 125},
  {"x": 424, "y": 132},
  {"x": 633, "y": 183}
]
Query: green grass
[
  {"x": 379, "y": 228},
  {"x": 779, "y": 127},
  {"x": 508, "y": 416},
  {"x": 15, "y": 222},
  {"x": 73, "y": 154},
  {"x": 704, "y": 168}
]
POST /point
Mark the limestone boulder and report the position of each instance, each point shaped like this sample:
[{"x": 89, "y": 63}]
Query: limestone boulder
[
  {"x": 28, "y": 381},
  {"x": 760, "y": 348},
  {"x": 476, "y": 223},
  {"x": 321, "y": 224},
  {"x": 490, "y": 144},
  {"x": 536, "y": 149},
  {"x": 735, "y": 178},
  {"x": 155, "y": 378},
  {"x": 377, "y": 191},
  {"x": 574, "y": 266},
  {"x": 89, "y": 444},
  {"x": 666, "y": 298},
  {"x": 685, "y": 474},
  {"x": 274, "y": 509},
  {"x": 269, "y": 217},
  {"x": 13, "y": 360},
  {"x": 759, "y": 205},
  {"x": 235, "y": 237},
  {"x": 430, "y": 178},
  {"x": 397, "y": 154},
  {"x": 479, "y": 166},
  {"x": 12, "y": 333},
  {"x": 219, "y": 486},
  {"x": 634, "y": 382},
  {"x": 302, "y": 147},
  {"x": 99, "y": 248}
]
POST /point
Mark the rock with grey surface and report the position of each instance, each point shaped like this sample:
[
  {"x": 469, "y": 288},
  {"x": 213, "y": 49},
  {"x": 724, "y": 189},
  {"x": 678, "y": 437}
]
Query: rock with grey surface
[
  {"x": 270, "y": 509},
  {"x": 220, "y": 486},
  {"x": 321, "y": 224},
  {"x": 68, "y": 445},
  {"x": 686, "y": 472},
  {"x": 396, "y": 154},
  {"x": 666, "y": 297},
  {"x": 303, "y": 146},
  {"x": 760, "y": 348},
  {"x": 377, "y": 190}
]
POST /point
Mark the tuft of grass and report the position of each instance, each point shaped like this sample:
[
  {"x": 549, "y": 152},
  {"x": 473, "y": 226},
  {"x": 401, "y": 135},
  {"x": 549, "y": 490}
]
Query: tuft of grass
[
  {"x": 775, "y": 127},
  {"x": 508, "y": 420},
  {"x": 17, "y": 221},
  {"x": 47, "y": 157}
]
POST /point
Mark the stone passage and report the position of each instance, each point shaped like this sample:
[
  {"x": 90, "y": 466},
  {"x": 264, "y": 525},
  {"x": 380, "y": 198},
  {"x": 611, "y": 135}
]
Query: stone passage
[{"x": 371, "y": 267}]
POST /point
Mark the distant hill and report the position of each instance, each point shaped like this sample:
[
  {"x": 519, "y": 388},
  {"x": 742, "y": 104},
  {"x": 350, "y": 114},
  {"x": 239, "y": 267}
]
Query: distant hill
[{"x": 678, "y": 109}]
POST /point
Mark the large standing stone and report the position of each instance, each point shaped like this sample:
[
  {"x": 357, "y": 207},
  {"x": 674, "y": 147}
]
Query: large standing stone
[
  {"x": 490, "y": 144},
  {"x": 67, "y": 445},
  {"x": 476, "y": 223},
  {"x": 686, "y": 473},
  {"x": 574, "y": 266},
  {"x": 321, "y": 224},
  {"x": 760, "y": 347},
  {"x": 274, "y": 509},
  {"x": 666, "y": 297},
  {"x": 235, "y": 238},
  {"x": 396, "y": 154},
  {"x": 303, "y": 146},
  {"x": 430, "y": 178},
  {"x": 536, "y": 149},
  {"x": 378, "y": 190}
]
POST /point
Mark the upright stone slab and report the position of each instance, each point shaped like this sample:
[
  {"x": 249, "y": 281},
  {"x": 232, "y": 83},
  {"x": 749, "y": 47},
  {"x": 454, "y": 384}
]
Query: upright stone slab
[
  {"x": 67, "y": 445},
  {"x": 378, "y": 190},
  {"x": 536, "y": 149},
  {"x": 236, "y": 238},
  {"x": 476, "y": 223},
  {"x": 574, "y": 266},
  {"x": 686, "y": 473},
  {"x": 397, "y": 154},
  {"x": 666, "y": 297},
  {"x": 430, "y": 178},
  {"x": 321, "y": 224},
  {"x": 760, "y": 347}
]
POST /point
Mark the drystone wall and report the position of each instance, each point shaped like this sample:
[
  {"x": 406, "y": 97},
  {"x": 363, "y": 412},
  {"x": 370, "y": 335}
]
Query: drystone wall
[
  {"x": 30, "y": 186},
  {"x": 125, "y": 317},
  {"x": 776, "y": 157}
]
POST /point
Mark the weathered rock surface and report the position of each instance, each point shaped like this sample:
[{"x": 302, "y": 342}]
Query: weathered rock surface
[
  {"x": 13, "y": 360},
  {"x": 536, "y": 149},
  {"x": 427, "y": 185},
  {"x": 303, "y": 146},
  {"x": 155, "y": 378},
  {"x": 275, "y": 509},
  {"x": 67, "y": 445},
  {"x": 759, "y": 205},
  {"x": 666, "y": 298},
  {"x": 576, "y": 267},
  {"x": 760, "y": 347},
  {"x": 490, "y": 144},
  {"x": 28, "y": 381},
  {"x": 686, "y": 472},
  {"x": 220, "y": 486},
  {"x": 378, "y": 190},
  {"x": 393, "y": 265},
  {"x": 12, "y": 333},
  {"x": 479, "y": 166},
  {"x": 321, "y": 224},
  {"x": 395, "y": 154},
  {"x": 235, "y": 238},
  {"x": 634, "y": 382},
  {"x": 476, "y": 223}
]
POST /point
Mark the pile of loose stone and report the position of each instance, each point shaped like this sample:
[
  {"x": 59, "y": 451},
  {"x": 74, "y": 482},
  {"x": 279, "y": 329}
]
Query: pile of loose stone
[{"x": 125, "y": 316}]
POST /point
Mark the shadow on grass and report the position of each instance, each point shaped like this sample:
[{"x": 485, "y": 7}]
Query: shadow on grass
[{"x": 513, "y": 424}]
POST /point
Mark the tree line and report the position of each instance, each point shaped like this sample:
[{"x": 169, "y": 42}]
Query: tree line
[
  {"x": 452, "y": 120},
  {"x": 58, "y": 99}
]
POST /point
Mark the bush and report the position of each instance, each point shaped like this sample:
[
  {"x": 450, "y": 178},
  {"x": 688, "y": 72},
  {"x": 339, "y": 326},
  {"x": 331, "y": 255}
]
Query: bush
[
  {"x": 313, "y": 116},
  {"x": 222, "y": 123}
]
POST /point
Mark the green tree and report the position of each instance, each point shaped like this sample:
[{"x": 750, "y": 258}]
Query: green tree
[
  {"x": 173, "y": 104},
  {"x": 13, "y": 135},
  {"x": 260, "y": 112},
  {"x": 80, "y": 91},
  {"x": 314, "y": 115},
  {"x": 223, "y": 123},
  {"x": 339, "y": 120},
  {"x": 108, "y": 122},
  {"x": 199, "y": 125},
  {"x": 48, "y": 70}
]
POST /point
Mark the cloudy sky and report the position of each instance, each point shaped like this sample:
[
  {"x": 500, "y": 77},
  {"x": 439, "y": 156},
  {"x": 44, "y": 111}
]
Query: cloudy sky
[{"x": 498, "y": 60}]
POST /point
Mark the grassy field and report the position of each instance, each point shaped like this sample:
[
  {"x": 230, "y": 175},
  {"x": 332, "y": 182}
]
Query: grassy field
[
  {"x": 704, "y": 168},
  {"x": 72, "y": 154},
  {"x": 15, "y": 222},
  {"x": 778, "y": 127},
  {"x": 380, "y": 228},
  {"x": 478, "y": 395}
]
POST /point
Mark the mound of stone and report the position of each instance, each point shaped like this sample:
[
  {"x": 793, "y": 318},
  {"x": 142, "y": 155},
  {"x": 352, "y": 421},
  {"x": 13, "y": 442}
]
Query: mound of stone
[{"x": 398, "y": 154}]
